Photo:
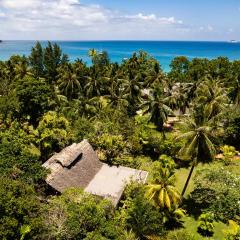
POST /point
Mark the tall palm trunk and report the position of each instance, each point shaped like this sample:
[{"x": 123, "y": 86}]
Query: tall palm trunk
[{"x": 188, "y": 179}]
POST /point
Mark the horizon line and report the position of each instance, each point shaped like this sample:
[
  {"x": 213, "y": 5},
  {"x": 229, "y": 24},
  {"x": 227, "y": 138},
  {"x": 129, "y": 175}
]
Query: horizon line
[{"x": 116, "y": 40}]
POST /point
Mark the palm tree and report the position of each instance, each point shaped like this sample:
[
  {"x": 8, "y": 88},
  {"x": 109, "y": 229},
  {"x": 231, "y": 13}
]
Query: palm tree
[
  {"x": 94, "y": 82},
  {"x": 163, "y": 192},
  {"x": 133, "y": 84},
  {"x": 6, "y": 78},
  {"x": 198, "y": 146},
  {"x": 155, "y": 76},
  {"x": 157, "y": 108},
  {"x": 22, "y": 68},
  {"x": 132, "y": 62},
  {"x": 24, "y": 230},
  {"x": 174, "y": 99},
  {"x": 59, "y": 101},
  {"x": 117, "y": 96},
  {"x": 179, "y": 96},
  {"x": 81, "y": 70},
  {"x": 84, "y": 107},
  {"x": 234, "y": 83},
  {"x": 68, "y": 80},
  {"x": 5, "y": 84},
  {"x": 235, "y": 92},
  {"x": 213, "y": 97},
  {"x": 92, "y": 52}
]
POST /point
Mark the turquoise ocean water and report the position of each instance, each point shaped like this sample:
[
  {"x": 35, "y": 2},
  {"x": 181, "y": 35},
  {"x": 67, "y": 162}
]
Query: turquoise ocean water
[{"x": 164, "y": 51}]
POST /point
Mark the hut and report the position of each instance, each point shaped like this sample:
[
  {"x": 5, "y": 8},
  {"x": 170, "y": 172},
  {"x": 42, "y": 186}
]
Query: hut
[{"x": 78, "y": 166}]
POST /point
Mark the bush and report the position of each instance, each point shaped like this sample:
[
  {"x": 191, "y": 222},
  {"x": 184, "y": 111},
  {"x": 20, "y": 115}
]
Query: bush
[
  {"x": 83, "y": 129},
  {"x": 156, "y": 145},
  {"x": 232, "y": 128},
  {"x": 167, "y": 162},
  {"x": 180, "y": 234},
  {"x": 19, "y": 206},
  {"x": 34, "y": 96},
  {"x": 79, "y": 215},
  {"x": 54, "y": 133},
  {"x": 217, "y": 191},
  {"x": 233, "y": 231},
  {"x": 138, "y": 214},
  {"x": 229, "y": 152},
  {"x": 19, "y": 157},
  {"x": 110, "y": 147},
  {"x": 205, "y": 224}
]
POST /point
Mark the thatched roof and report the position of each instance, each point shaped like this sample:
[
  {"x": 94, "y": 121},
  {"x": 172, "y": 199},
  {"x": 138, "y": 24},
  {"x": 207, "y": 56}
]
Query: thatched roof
[
  {"x": 79, "y": 166},
  {"x": 74, "y": 166}
]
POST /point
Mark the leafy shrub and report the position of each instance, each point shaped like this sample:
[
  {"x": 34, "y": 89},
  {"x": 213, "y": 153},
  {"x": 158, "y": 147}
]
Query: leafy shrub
[
  {"x": 157, "y": 168},
  {"x": 233, "y": 231},
  {"x": 9, "y": 106},
  {"x": 83, "y": 129},
  {"x": 229, "y": 152},
  {"x": 167, "y": 162},
  {"x": 232, "y": 127},
  {"x": 24, "y": 230},
  {"x": 156, "y": 145},
  {"x": 19, "y": 157},
  {"x": 79, "y": 215},
  {"x": 205, "y": 224},
  {"x": 217, "y": 191},
  {"x": 110, "y": 147},
  {"x": 19, "y": 206},
  {"x": 54, "y": 133},
  {"x": 138, "y": 214}
]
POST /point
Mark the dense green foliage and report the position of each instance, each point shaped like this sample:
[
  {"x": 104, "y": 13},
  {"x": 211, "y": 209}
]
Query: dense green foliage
[
  {"x": 77, "y": 215},
  {"x": 19, "y": 206},
  {"x": 138, "y": 214},
  {"x": 206, "y": 224},
  {"x": 134, "y": 115},
  {"x": 233, "y": 231},
  {"x": 217, "y": 191}
]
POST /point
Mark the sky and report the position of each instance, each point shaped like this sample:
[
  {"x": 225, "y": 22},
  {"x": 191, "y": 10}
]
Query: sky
[{"x": 213, "y": 20}]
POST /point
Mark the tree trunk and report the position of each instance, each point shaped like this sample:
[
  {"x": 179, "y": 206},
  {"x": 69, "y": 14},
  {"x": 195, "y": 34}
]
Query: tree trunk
[{"x": 188, "y": 179}]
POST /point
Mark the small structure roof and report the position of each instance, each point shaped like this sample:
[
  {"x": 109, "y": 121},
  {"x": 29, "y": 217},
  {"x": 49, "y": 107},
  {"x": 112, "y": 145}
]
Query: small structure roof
[
  {"x": 78, "y": 166},
  {"x": 110, "y": 182},
  {"x": 74, "y": 166}
]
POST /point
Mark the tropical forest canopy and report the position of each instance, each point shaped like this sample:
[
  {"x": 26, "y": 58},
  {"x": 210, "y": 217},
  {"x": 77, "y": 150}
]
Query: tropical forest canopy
[{"x": 183, "y": 127}]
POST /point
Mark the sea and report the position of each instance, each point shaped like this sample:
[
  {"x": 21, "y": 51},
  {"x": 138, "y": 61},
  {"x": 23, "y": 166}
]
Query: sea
[{"x": 163, "y": 51}]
